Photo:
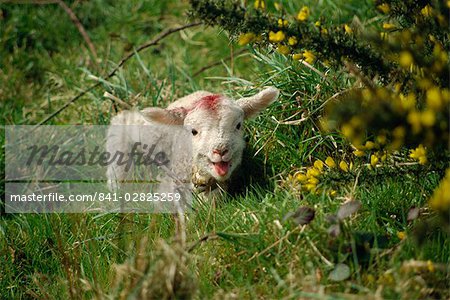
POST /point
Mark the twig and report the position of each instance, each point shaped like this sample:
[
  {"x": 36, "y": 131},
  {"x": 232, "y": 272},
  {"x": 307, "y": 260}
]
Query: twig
[
  {"x": 207, "y": 67},
  {"x": 408, "y": 266},
  {"x": 80, "y": 28},
  {"x": 314, "y": 69},
  {"x": 203, "y": 239},
  {"x": 29, "y": 1},
  {"x": 153, "y": 42},
  {"x": 258, "y": 254},
  {"x": 52, "y": 115},
  {"x": 356, "y": 183},
  {"x": 232, "y": 59},
  {"x": 314, "y": 248},
  {"x": 291, "y": 122},
  {"x": 334, "y": 97},
  {"x": 357, "y": 72},
  {"x": 117, "y": 100},
  {"x": 69, "y": 12},
  {"x": 268, "y": 140}
]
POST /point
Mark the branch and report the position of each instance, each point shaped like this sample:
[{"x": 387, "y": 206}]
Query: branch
[
  {"x": 117, "y": 100},
  {"x": 353, "y": 69},
  {"x": 211, "y": 236},
  {"x": 29, "y": 1},
  {"x": 69, "y": 12},
  {"x": 79, "y": 26},
  {"x": 153, "y": 42},
  {"x": 198, "y": 72}
]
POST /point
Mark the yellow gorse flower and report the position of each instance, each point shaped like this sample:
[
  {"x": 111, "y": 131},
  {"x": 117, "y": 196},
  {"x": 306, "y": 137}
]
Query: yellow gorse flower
[
  {"x": 302, "y": 177},
  {"x": 359, "y": 153},
  {"x": 428, "y": 118},
  {"x": 318, "y": 164},
  {"x": 406, "y": 59},
  {"x": 401, "y": 235},
  {"x": 259, "y": 4},
  {"x": 384, "y": 7},
  {"x": 415, "y": 120},
  {"x": 427, "y": 11},
  {"x": 381, "y": 139},
  {"x": 344, "y": 166},
  {"x": 348, "y": 29},
  {"x": 420, "y": 154},
  {"x": 246, "y": 38},
  {"x": 370, "y": 145},
  {"x": 313, "y": 180},
  {"x": 282, "y": 23},
  {"x": 276, "y": 37},
  {"x": 388, "y": 26},
  {"x": 277, "y": 6},
  {"x": 297, "y": 56},
  {"x": 399, "y": 132},
  {"x": 430, "y": 266},
  {"x": 408, "y": 102},
  {"x": 292, "y": 41},
  {"x": 434, "y": 99},
  {"x": 347, "y": 130},
  {"x": 309, "y": 56},
  {"x": 283, "y": 49},
  {"x": 440, "y": 200},
  {"x": 373, "y": 160},
  {"x": 313, "y": 172},
  {"x": 303, "y": 14},
  {"x": 330, "y": 162},
  {"x": 310, "y": 187}
]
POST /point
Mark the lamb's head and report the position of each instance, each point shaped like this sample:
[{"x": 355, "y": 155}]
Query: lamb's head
[{"x": 216, "y": 125}]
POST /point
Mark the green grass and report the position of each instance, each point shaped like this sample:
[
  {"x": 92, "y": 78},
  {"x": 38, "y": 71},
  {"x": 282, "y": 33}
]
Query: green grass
[{"x": 250, "y": 250}]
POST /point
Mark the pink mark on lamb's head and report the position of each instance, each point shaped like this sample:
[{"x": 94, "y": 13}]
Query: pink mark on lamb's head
[{"x": 209, "y": 102}]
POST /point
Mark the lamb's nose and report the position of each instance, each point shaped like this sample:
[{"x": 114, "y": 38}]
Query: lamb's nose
[{"x": 221, "y": 152}]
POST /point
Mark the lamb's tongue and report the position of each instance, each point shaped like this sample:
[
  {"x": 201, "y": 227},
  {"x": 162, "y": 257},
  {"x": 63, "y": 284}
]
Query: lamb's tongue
[{"x": 222, "y": 167}]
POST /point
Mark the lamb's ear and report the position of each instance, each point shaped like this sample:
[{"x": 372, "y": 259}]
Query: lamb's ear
[
  {"x": 165, "y": 116},
  {"x": 255, "y": 104}
]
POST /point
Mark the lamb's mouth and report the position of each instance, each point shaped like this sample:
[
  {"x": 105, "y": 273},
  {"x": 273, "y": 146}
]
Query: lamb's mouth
[{"x": 222, "y": 167}]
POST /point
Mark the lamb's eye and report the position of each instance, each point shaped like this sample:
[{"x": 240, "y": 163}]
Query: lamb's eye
[
  {"x": 238, "y": 126},
  {"x": 194, "y": 132}
]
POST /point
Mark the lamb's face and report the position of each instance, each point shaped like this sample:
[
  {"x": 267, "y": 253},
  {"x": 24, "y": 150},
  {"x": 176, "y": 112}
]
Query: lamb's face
[
  {"x": 217, "y": 136},
  {"x": 216, "y": 125}
]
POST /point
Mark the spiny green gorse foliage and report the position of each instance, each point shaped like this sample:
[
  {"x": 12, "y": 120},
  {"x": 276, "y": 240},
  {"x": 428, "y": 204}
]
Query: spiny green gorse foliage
[
  {"x": 409, "y": 54},
  {"x": 333, "y": 44},
  {"x": 401, "y": 60}
]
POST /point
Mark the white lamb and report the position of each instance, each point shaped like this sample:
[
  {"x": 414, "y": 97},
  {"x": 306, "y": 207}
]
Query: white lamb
[{"x": 217, "y": 136}]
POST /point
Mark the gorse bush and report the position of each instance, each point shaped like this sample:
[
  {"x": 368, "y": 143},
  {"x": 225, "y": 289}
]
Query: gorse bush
[{"x": 397, "y": 111}]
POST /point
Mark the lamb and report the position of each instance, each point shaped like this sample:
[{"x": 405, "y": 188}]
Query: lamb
[{"x": 215, "y": 122}]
